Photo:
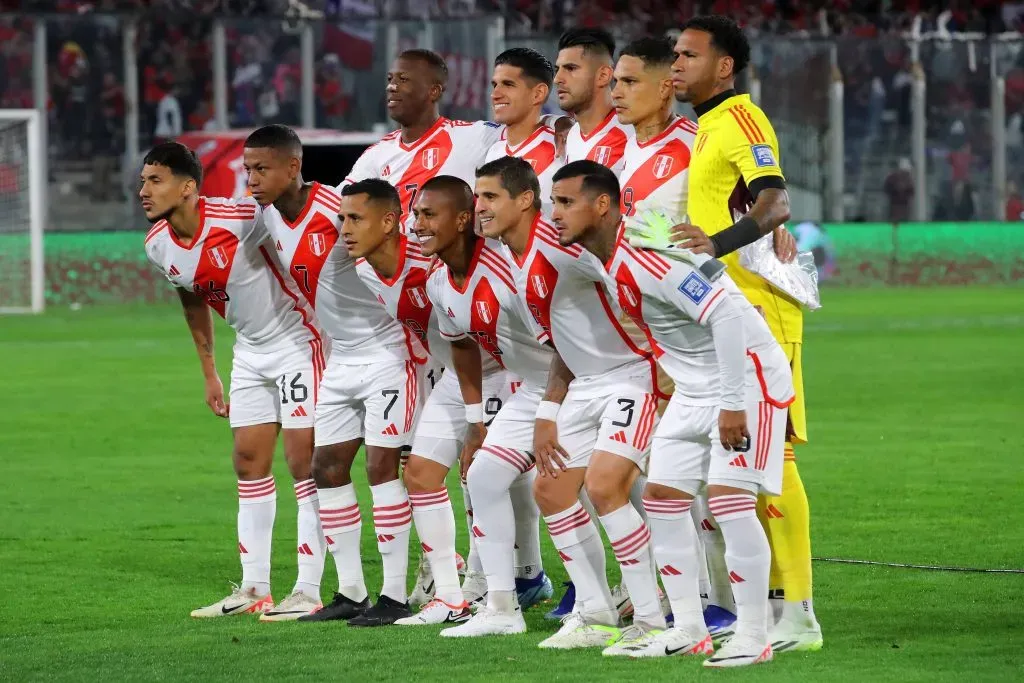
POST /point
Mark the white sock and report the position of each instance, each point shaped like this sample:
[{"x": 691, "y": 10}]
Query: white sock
[
  {"x": 435, "y": 525},
  {"x": 310, "y": 540},
  {"x": 631, "y": 541},
  {"x": 579, "y": 545},
  {"x": 675, "y": 548},
  {"x": 392, "y": 520},
  {"x": 490, "y": 478},
  {"x": 342, "y": 525},
  {"x": 473, "y": 558},
  {"x": 257, "y": 506},
  {"x": 748, "y": 556},
  {"x": 719, "y": 588},
  {"x": 527, "y": 515},
  {"x": 799, "y": 612}
]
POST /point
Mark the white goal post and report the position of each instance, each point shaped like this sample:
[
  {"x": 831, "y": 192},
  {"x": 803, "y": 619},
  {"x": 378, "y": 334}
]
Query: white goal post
[{"x": 22, "y": 211}]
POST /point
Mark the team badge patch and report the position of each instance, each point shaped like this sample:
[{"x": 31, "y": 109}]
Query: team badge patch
[
  {"x": 418, "y": 297},
  {"x": 219, "y": 257},
  {"x": 484, "y": 311},
  {"x": 662, "y": 166},
  {"x": 763, "y": 155},
  {"x": 603, "y": 154},
  {"x": 539, "y": 286},
  {"x": 430, "y": 158},
  {"x": 317, "y": 243},
  {"x": 695, "y": 288}
]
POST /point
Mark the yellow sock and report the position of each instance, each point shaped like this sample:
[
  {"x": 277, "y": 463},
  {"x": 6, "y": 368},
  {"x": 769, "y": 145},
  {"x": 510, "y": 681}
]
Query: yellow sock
[{"x": 787, "y": 518}]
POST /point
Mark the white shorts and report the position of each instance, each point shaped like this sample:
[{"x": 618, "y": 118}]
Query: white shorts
[
  {"x": 512, "y": 428},
  {"x": 617, "y": 414},
  {"x": 441, "y": 429},
  {"x": 377, "y": 402},
  {"x": 280, "y": 386},
  {"x": 687, "y": 448}
]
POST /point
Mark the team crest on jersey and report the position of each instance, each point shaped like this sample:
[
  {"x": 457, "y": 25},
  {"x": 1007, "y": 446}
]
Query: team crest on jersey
[
  {"x": 484, "y": 311},
  {"x": 419, "y": 297},
  {"x": 628, "y": 294},
  {"x": 662, "y": 166},
  {"x": 695, "y": 288},
  {"x": 317, "y": 243},
  {"x": 219, "y": 257},
  {"x": 539, "y": 285},
  {"x": 603, "y": 154},
  {"x": 431, "y": 157}
]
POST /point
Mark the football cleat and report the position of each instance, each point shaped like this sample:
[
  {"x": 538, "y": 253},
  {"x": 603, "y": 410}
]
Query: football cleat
[
  {"x": 239, "y": 602},
  {"x": 789, "y": 636},
  {"x": 386, "y": 612},
  {"x": 423, "y": 591},
  {"x": 740, "y": 651},
  {"x": 474, "y": 587},
  {"x": 721, "y": 623},
  {"x": 438, "y": 612},
  {"x": 340, "y": 608},
  {"x": 674, "y": 641},
  {"x": 565, "y": 605},
  {"x": 633, "y": 636},
  {"x": 620, "y": 597},
  {"x": 488, "y": 622},
  {"x": 577, "y": 633},
  {"x": 291, "y": 608},
  {"x": 532, "y": 591}
]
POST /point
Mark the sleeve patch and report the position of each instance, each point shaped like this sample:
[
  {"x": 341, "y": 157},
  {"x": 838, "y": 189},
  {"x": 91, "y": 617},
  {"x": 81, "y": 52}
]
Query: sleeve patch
[
  {"x": 763, "y": 155},
  {"x": 492, "y": 124},
  {"x": 695, "y": 288}
]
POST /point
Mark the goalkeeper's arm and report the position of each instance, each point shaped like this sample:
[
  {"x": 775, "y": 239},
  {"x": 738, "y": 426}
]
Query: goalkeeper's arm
[{"x": 769, "y": 212}]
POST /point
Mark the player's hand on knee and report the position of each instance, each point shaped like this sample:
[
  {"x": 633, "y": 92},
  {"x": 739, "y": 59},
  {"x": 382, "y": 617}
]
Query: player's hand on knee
[
  {"x": 215, "y": 397},
  {"x": 475, "y": 435},
  {"x": 693, "y": 238},
  {"x": 547, "y": 452},
  {"x": 784, "y": 243},
  {"x": 732, "y": 430}
]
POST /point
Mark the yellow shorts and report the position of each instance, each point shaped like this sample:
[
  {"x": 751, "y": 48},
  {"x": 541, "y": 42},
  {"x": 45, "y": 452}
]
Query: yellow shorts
[{"x": 796, "y": 430}]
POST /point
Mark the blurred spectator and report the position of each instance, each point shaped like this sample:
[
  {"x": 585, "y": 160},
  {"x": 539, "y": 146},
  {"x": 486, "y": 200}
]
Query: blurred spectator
[
  {"x": 1014, "y": 203},
  {"x": 330, "y": 93},
  {"x": 956, "y": 203},
  {"x": 899, "y": 188},
  {"x": 168, "y": 117},
  {"x": 108, "y": 139}
]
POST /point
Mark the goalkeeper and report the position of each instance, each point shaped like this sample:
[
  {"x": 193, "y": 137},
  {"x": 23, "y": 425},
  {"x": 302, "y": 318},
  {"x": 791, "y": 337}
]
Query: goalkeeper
[{"x": 737, "y": 194}]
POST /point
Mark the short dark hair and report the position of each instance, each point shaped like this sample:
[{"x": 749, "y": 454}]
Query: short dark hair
[
  {"x": 651, "y": 51},
  {"x": 726, "y": 36},
  {"x": 457, "y": 189},
  {"x": 377, "y": 190},
  {"x": 597, "y": 178},
  {"x": 277, "y": 137},
  {"x": 533, "y": 64},
  {"x": 595, "y": 41},
  {"x": 515, "y": 175},
  {"x": 182, "y": 161},
  {"x": 432, "y": 59}
]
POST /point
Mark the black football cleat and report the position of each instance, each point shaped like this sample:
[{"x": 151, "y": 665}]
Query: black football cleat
[
  {"x": 340, "y": 608},
  {"x": 384, "y": 613}
]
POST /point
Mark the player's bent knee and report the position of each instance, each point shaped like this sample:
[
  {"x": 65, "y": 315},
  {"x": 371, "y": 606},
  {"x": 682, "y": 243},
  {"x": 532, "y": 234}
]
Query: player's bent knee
[
  {"x": 654, "y": 491},
  {"x": 382, "y": 464},
  {"x": 422, "y": 475},
  {"x": 332, "y": 465},
  {"x": 298, "y": 452},
  {"x": 553, "y": 495},
  {"x": 606, "y": 493}
]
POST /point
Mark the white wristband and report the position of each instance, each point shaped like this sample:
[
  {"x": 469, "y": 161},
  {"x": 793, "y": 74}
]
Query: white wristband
[
  {"x": 475, "y": 413},
  {"x": 548, "y": 410}
]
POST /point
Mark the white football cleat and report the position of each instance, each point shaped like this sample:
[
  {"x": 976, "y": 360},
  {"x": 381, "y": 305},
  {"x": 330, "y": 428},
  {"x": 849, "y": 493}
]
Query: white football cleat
[
  {"x": 620, "y": 598},
  {"x": 675, "y": 641},
  {"x": 740, "y": 650},
  {"x": 474, "y": 587},
  {"x": 633, "y": 636},
  {"x": 790, "y": 636},
  {"x": 438, "y": 612},
  {"x": 239, "y": 602},
  {"x": 423, "y": 591},
  {"x": 291, "y": 608},
  {"x": 488, "y": 622},
  {"x": 577, "y": 633}
]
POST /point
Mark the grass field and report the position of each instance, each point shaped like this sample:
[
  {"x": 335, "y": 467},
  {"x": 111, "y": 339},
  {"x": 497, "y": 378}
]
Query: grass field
[{"x": 118, "y": 511}]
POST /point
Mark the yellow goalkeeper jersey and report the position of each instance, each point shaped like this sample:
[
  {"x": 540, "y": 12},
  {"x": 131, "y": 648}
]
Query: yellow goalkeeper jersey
[{"x": 735, "y": 152}]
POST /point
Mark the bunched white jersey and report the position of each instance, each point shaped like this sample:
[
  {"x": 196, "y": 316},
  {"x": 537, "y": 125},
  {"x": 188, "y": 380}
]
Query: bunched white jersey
[
  {"x": 488, "y": 308},
  {"x": 539, "y": 150},
  {"x": 606, "y": 144},
  {"x": 671, "y": 302},
  {"x": 326, "y": 275},
  {"x": 231, "y": 264},
  {"x": 657, "y": 171},
  {"x": 564, "y": 288},
  {"x": 455, "y": 148}
]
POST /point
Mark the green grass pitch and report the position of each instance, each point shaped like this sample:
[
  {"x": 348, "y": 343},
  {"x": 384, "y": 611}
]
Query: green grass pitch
[{"x": 118, "y": 511}]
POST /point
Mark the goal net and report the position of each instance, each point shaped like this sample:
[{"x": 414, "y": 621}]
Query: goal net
[{"x": 22, "y": 203}]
